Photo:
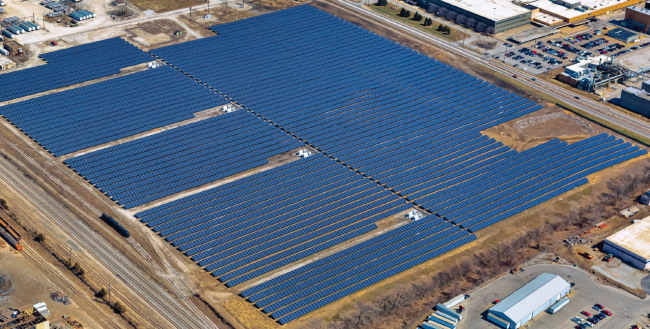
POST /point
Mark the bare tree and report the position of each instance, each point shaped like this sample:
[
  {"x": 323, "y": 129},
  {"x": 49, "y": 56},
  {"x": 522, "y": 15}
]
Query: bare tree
[
  {"x": 461, "y": 19},
  {"x": 470, "y": 23},
  {"x": 489, "y": 30},
  {"x": 432, "y": 8},
  {"x": 480, "y": 27}
]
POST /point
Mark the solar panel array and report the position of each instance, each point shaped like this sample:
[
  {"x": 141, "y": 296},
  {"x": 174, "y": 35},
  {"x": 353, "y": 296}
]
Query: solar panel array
[
  {"x": 392, "y": 127},
  {"x": 319, "y": 283},
  {"x": 87, "y": 116},
  {"x": 260, "y": 223},
  {"x": 182, "y": 158},
  {"x": 71, "y": 66}
]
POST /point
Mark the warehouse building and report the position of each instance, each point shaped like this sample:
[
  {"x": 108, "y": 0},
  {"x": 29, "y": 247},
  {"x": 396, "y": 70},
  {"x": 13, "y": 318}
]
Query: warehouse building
[
  {"x": 500, "y": 15},
  {"x": 573, "y": 11},
  {"x": 623, "y": 35},
  {"x": 631, "y": 244},
  {"x": 637, "y": 100},
  {"x": 638, "y": 17},
  {"x": 528, "y": 301}
]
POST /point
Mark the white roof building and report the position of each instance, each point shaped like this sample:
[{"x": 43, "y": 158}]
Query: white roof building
[
  {"x": 631, "y": 244},
  {"x": 528, "y": 301}
]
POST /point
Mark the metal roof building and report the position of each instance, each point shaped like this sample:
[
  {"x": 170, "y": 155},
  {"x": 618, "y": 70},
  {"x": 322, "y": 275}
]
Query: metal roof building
[{"x": 528, "y": 301}]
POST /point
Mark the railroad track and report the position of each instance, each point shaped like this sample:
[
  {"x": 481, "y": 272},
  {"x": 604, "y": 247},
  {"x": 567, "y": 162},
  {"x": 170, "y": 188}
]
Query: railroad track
[
  {"x": 179, "y": 314},
  {"x": 48, "y": 268},
  {"x": 45, "y": 265},
  {"x": 592, "y": 107}
]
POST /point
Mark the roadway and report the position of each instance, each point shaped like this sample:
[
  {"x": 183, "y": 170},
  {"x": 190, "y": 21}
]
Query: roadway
[
  {"x": 594, "y": 108},
  {"x": 178, "y": 311}
]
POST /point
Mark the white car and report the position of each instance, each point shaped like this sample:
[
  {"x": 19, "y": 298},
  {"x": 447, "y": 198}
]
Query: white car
[{"x": 589, "y": 324}]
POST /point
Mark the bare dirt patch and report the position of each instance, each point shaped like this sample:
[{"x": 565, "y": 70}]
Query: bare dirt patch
[
  {"x": 541, "y": 126},
  {"x": 161, "y": 6}
]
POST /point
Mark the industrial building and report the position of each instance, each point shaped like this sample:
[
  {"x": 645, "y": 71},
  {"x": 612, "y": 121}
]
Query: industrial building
[
  {"x": 637, "y": 100},
  {"x": 638, "y": 17},
  {"x": 631, "y": 244},
  {"x": 623, "y": 35},
  {"x": 501, "y": 15},
  {"x": 571, "y": 11},
  {"x": 528, "y": 301},
  {"x": 13, "y": 47}
]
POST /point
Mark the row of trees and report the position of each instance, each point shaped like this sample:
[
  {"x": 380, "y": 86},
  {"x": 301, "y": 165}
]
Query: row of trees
[
  {"x": 406, "y": 14},
  {"x": 460, "y": 19}
]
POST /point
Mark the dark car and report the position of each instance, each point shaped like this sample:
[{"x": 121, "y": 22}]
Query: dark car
[
  {"x": 606, "y": 312},
  {"x": 599, "y": 306}
]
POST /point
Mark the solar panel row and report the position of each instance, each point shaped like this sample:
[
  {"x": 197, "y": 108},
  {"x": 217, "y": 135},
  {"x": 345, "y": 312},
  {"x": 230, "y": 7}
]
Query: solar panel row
[
  {"x": 241, "y": 230},
  {"x": 79, "y": 118},
  {"x": 71, "y": 66},
  {"x": 159, "y": 165}
]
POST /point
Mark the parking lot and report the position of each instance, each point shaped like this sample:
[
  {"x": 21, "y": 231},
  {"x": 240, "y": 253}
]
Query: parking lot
[
  {"x": 561, "y": 49},
  {"x": 626, "y": 308}
]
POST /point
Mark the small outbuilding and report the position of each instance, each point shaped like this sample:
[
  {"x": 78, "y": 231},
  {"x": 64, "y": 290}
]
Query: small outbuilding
[
  {"x": 528, "y": 301},
  {"x": 631, "y": 244}
]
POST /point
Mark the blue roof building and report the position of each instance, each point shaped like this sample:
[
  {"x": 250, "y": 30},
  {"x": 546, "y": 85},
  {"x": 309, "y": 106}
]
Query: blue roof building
[{"x": 528, "y": 301}]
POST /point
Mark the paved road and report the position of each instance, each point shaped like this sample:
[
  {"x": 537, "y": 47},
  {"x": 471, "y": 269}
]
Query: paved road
[
  {"x": 178, "y": 311},
  {"x": 592, "y": 107},
  {"x": 626, "y": 308}
]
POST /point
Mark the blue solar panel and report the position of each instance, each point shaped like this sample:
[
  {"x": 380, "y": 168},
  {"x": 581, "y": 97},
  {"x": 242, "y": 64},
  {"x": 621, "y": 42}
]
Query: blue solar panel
[
  {"x": 71, "y": 66},
  {"x": 76, "y": 119}
]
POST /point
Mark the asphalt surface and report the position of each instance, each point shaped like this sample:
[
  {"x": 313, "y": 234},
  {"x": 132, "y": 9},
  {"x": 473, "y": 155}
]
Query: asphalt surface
[
  {"x": 179, "y": 312},
  {"x": 592, "y": 107},
  {"x": 626, "y": 308},
  {"x": 645, "y": 284}
]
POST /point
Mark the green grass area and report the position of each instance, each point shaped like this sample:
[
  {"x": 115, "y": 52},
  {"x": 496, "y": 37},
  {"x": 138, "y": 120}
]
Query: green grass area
[
  {"x": 535, "y": 94},
  {"x": 387, "y": 11}
]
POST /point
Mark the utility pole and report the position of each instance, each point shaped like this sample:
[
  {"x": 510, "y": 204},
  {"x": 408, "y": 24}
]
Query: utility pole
[
  {"x": 190, "y": 13},
  {"x": 70, "y": 259},
  {"x": 109, "y": 293},
  {"x": 464, "y": 36}
]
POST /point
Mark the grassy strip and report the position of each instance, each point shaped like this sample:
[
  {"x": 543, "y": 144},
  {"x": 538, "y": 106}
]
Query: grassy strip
[
  {"x": 455, "y": 35},
  {"x": 534, "y": 94}
]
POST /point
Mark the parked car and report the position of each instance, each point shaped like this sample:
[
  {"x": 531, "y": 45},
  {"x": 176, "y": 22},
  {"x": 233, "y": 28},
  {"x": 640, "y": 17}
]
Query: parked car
[
  {"x": 600, "y": 307},
  {"x": 585, "y": 313},
  {"x": 606, "y": 312}
]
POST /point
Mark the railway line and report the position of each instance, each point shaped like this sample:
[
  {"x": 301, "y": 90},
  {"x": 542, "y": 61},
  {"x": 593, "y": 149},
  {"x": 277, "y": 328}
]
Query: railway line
[
  {"x": 179, "y": 314},
  {"x": 592, "y": 107}
]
